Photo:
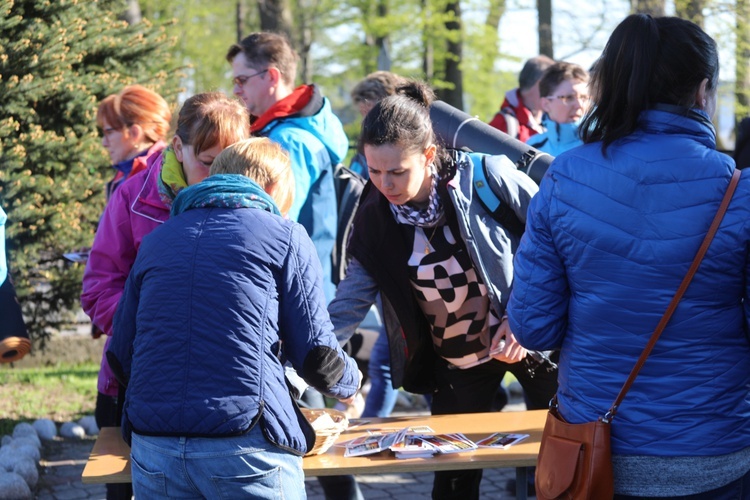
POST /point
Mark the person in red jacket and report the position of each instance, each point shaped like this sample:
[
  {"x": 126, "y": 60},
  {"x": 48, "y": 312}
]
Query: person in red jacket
[{"x": 520, "y": 114}]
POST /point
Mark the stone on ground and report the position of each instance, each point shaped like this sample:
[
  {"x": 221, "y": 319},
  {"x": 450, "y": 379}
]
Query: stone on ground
[
  {"x": 24, "y": 429},
  {"x": 13, "y": 487},
  {"x": 26, "y": 468},
  {"x": 89, "y": 425},
  {"x": 45, "y": 428},
  {"x": 71, "y": 430}
]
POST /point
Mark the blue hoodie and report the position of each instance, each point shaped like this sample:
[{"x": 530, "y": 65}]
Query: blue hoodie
[
  {"x": 316, "y": 142},
  {"x": 558, "y": 138}
]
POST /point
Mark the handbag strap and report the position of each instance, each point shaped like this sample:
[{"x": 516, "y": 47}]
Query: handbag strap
[{"x": 677, "y": 296}]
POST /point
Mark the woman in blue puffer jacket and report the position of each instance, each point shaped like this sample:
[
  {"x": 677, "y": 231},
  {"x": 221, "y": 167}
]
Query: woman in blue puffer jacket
[
  {"x": 609, "y": 238},
  {"x": 217, "y": 298}
]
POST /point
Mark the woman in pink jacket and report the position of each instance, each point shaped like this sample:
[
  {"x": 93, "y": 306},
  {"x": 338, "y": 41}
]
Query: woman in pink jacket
[
  {"x": 133, "y": 124},
  {"x": 207, "y": 123}
]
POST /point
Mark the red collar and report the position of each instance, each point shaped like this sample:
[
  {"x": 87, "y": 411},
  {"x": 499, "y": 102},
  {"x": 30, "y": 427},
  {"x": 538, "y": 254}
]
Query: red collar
[{"x": 288, "y": 106}]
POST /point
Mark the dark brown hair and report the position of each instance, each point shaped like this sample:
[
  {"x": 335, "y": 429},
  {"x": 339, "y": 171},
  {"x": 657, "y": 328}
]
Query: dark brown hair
[
  {"x": 558, "y": 73},
  {"x": 647, "y": 61},
  {"x": 403, "y": 120},
  {"x": 265, "y": 49}
]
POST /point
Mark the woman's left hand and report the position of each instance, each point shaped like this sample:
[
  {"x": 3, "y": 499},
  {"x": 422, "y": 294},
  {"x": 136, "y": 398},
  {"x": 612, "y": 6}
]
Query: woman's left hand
[{"x": 513, "y": 352}]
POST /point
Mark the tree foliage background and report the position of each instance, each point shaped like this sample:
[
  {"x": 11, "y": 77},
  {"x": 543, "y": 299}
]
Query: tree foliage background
[{"x": 58, "y": 59}]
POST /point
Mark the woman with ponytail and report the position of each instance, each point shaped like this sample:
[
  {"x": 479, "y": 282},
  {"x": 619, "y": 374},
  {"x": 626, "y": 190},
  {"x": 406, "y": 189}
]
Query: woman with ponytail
[
  {"x": 443, "y": 267},
  {"x": 609, "y": 238}
]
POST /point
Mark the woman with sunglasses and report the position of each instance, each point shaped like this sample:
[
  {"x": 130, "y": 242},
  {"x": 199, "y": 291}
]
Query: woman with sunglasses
[
  {"x": 134, "y": 124},
  {"x": 564, "y": 99}
]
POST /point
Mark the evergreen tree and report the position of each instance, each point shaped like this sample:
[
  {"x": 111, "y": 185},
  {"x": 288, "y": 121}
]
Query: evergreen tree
[{"x": 58, "y": 59}]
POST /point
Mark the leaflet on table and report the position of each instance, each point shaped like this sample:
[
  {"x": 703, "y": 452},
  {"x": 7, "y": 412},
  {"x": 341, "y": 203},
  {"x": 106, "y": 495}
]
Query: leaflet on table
[
  {"x": 373, "y": 443},
  {"x": 405, "y": 443},
  {"x": 501, "y": 440},
  {"x": 449, "y": 443},
  {"x": 413, "y": 446}
]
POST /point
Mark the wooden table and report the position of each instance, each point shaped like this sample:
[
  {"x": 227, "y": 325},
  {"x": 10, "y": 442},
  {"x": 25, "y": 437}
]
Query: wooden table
[{"x": 110, "y": 458}]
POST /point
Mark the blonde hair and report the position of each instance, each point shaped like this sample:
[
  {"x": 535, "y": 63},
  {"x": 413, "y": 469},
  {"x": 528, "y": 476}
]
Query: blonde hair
[
  {"x": 136, "y": 105},
  {"x": 211, "y": 118},
  {"x": 263, "y": 161}
]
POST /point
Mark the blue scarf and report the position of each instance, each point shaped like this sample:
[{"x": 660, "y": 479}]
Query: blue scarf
[{"x": 225, "y": 191}]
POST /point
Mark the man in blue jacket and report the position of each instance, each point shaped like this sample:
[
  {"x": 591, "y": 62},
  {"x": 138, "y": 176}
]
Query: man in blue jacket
[{"x": 264, "y": 66}]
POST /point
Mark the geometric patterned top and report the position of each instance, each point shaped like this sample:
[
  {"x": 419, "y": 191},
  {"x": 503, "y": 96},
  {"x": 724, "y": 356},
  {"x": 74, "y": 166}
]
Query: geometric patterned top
[{"x": 451, "y": 295}]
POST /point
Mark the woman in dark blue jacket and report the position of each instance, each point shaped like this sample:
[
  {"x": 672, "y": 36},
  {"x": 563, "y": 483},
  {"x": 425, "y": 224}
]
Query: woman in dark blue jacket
[
  {"x": 609, "y": 238},
  {"x": 217, "y": 298}
]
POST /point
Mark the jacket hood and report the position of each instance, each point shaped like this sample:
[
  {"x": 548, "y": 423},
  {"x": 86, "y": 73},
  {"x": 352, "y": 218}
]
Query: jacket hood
[{"x": 306, "y": 108}]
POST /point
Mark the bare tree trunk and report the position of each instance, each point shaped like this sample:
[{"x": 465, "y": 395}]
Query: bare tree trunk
[
  {"x": 132, "y": 13},
  {"x": 454, "y": 47},
  {"x": 654, "y": 7},
  {"x": 428, "y": 57},
  {"x": 304, "y": 42},
  {"x": 275, "y": 16},
  {"x": 381, "y": 42},
  {"x": 546, "y": 45},
  {"x": 240, "y": 20},
  {"x": 692, "y": 10},
  {"x": 742, "y": 57}
]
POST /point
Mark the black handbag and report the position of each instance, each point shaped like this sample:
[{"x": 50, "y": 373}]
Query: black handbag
[{"x": 14, "y": 338}]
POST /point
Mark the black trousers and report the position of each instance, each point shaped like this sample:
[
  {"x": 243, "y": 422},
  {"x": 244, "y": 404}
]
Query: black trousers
[{"x": 472, "y": 391}]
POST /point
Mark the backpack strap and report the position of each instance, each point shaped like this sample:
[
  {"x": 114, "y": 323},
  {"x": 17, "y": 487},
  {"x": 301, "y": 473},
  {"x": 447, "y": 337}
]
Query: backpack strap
[
  {"x": 491, "y": 202},
  {"x": 349, "y": 186}
]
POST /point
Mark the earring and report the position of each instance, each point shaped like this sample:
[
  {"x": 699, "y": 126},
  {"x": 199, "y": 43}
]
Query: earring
[{"x": 704, "y": 104}]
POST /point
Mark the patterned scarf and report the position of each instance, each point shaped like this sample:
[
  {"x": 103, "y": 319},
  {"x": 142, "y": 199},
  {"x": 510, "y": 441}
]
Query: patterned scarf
[
  {"x": 430, "y": 216},
  {"x": 171, "y": 177},
  {"x": 225, "y": 191}
]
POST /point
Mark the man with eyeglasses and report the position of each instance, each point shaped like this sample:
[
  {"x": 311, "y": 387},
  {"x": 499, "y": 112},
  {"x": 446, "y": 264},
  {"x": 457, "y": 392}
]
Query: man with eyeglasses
[
  {"x": 564, "y": 99},
  {"x": 300, "y": 119}
]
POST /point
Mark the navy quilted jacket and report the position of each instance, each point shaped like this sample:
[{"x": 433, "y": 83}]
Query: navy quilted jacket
[
  {"x": 608, "y": 241},
  {"x": 212, "y": 297}
]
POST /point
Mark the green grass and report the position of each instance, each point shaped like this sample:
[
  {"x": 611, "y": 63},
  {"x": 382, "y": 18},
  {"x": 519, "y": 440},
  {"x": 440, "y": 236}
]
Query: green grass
[{"x": 61, "y": 393}]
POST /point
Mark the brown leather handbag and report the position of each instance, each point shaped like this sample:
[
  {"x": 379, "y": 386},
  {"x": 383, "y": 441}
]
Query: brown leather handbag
[{"x": 575, "y": 460}]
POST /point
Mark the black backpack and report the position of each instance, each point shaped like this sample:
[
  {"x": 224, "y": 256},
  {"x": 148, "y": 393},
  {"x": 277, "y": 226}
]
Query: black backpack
[{"x": 349, "y": 186}]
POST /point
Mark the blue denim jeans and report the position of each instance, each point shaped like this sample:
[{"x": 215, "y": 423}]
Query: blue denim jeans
[
  {"x": 382, "y": 396},
  {"x": 245, "y": 466}
]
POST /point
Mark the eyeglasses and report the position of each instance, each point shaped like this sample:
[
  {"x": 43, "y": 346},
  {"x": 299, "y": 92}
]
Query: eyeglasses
[
  {"x": 242, "y": 79},
  {"x": 570, "y": 98}
]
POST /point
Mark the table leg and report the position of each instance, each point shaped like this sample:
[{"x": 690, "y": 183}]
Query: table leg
[{"x": 521, "y": 483}]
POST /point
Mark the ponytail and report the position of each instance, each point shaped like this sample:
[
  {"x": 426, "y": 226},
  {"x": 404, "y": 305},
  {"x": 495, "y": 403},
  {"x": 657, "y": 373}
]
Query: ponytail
[
  {"x": 621, "y": 80},
  {"x": 647, "y": 61}
]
